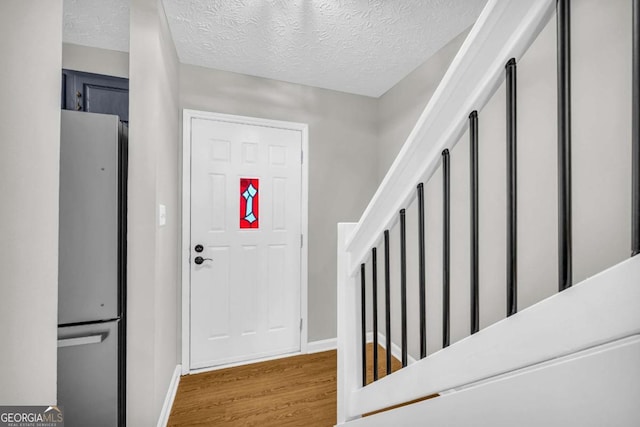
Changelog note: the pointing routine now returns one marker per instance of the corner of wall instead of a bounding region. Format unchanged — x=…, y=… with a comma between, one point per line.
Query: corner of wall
x=153, y=180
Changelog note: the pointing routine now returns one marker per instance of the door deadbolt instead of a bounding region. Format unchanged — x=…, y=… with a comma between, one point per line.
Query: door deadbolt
x=199, y=260
x=199, y=248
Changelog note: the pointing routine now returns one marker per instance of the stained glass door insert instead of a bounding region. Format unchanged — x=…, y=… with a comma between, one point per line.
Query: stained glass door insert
x=249, y=203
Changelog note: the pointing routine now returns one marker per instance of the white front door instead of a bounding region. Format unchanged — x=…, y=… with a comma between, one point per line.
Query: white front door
x=246, y=227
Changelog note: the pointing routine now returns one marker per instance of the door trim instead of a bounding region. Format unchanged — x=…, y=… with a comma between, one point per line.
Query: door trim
x=187, y=116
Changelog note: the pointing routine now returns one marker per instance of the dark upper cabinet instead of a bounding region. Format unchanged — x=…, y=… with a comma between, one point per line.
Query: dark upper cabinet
x=95, y=93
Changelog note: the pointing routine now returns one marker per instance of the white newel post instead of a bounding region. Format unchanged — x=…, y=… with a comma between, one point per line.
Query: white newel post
x=349, y=342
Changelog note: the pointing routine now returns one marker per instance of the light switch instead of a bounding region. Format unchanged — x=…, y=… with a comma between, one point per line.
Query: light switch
x=162, y=215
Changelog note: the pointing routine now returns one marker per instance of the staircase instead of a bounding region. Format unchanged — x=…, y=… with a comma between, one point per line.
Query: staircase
x=500, y=348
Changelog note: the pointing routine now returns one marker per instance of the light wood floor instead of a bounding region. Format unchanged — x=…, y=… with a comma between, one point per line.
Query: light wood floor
x=382, y=363
x=294, y=391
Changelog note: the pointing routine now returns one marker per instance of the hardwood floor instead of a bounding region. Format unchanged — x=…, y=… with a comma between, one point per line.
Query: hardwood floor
x=382, y=363
x=294, y=391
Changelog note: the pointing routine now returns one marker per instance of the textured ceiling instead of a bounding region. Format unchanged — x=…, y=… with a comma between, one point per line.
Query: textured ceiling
x=97, y=23
x=357, y=46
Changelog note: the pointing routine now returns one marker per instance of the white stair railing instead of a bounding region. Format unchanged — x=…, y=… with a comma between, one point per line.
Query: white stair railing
x=554, y=345
x=527, y=371
x=504, y=30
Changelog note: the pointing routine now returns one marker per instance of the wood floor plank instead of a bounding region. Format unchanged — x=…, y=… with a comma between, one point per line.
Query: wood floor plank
x=291, y=392
x=382, y=363
x=295, y=391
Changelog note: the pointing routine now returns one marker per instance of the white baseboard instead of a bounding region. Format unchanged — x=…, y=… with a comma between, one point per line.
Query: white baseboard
x=370, y=338
x=311, y=347
x=322, y=345
x=169, y=398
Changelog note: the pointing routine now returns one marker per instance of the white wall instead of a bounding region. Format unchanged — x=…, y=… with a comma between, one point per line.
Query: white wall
x=342, y=160
x=152, y=251
x=601, y=49
x=95, y=60
x=29, y=168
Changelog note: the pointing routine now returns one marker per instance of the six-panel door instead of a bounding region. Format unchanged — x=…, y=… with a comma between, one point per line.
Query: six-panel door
x=246, y=214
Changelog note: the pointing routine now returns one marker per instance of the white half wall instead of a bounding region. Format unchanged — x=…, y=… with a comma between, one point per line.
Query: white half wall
x=597, y=311
x=572, y=391
x=31, y=51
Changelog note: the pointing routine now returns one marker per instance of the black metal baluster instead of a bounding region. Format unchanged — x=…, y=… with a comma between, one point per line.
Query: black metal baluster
x=512, y=188
x=422, y=273
x=364, y=325
x=374, y=281
x=564, y=145
x=387, y=300
x=475, y=286
x=403, y=284
x=635, y=138
x=446, y=213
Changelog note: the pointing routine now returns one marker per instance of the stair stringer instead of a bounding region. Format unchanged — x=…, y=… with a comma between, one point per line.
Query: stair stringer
x=596, y=387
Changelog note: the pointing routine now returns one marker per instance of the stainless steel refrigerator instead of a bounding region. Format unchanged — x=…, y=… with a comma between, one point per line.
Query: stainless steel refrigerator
x=91, y=278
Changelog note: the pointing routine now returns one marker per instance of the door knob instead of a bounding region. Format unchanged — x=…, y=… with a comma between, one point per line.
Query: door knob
x=199, y=260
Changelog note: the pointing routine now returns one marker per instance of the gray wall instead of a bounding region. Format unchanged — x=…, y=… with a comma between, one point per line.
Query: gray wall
x=601, y=128
x=342, y=160
x=601, y=134
x=400, y=107
x=29, y=159
x=153, y=179
x=397, y=111
x=95, y=60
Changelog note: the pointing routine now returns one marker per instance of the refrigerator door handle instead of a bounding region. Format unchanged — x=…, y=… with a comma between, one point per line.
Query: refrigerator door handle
x=88, y=339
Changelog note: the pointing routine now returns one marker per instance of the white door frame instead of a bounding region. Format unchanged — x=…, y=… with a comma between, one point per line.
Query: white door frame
x=186, y=219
